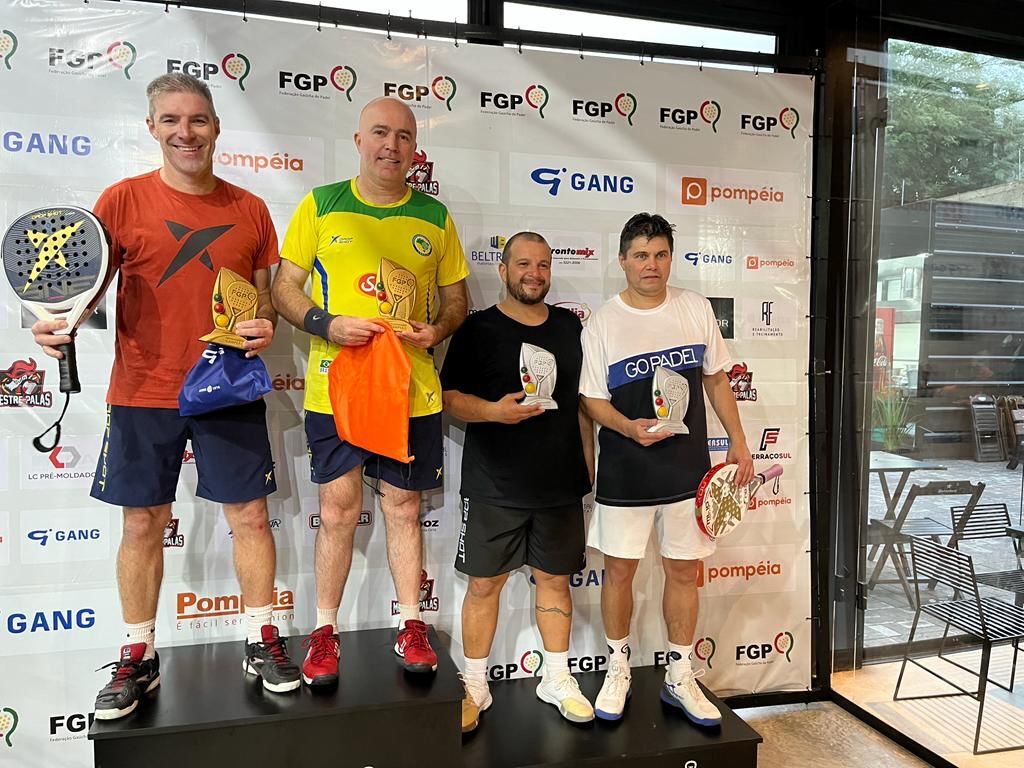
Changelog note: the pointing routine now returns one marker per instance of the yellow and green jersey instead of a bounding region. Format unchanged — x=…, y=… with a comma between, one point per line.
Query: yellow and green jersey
x=361, y=257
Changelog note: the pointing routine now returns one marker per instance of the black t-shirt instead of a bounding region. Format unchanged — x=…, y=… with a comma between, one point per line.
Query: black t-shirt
x=537, y=462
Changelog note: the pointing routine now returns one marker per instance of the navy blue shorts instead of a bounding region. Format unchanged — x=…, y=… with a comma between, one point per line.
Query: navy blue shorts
x=331, y=457
x=143, y=448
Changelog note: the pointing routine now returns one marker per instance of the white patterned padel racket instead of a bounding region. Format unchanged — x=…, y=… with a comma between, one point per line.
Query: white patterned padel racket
x=721, y=503
x=57, y=261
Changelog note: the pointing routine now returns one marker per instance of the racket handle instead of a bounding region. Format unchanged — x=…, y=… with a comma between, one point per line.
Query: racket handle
x=775, y=470
x=68, y=367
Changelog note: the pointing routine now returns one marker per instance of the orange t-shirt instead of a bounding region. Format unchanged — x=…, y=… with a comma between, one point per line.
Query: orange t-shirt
x=169, y=246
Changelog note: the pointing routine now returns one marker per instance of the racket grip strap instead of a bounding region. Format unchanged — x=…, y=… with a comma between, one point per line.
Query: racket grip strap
x=68, y=368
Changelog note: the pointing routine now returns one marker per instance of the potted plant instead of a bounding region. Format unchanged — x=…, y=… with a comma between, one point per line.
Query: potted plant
x=890, y=412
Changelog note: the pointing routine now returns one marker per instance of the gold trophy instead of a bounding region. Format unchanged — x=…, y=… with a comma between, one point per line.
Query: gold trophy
x=234, y=299
x=396, y=294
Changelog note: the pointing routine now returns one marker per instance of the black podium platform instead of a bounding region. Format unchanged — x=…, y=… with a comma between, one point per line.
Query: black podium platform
x=520, y=731
x=208, y=712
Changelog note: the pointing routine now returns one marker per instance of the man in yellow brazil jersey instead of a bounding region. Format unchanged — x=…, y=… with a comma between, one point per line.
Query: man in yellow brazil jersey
x=367, y=241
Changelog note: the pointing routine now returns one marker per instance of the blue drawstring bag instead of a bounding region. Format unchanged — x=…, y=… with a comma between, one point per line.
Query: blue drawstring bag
x=221, y=378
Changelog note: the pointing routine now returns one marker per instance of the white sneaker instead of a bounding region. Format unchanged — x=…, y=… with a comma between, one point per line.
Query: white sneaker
x=480, y=691
x=616, y=689
x=687, y=696
x=564, y=692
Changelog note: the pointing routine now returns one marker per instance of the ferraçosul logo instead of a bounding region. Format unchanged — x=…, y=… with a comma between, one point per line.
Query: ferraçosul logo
x=234, y=66
x=8, y=46
x=341, y=78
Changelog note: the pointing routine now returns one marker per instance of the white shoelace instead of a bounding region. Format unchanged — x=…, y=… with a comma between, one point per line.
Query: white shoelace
x=566, y=685
x=477, y=691
x=617, y=681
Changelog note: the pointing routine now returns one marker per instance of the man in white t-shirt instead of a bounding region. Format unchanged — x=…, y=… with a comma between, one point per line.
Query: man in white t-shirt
x=645, y=478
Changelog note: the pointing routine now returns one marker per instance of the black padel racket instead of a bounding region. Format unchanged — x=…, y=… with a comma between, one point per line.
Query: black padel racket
x=57, y=261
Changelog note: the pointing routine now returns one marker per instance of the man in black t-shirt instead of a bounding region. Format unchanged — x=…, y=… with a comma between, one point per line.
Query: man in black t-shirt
x=525, y=470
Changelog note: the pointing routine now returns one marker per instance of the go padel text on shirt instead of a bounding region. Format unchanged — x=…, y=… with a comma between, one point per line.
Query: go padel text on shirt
x=169, y=247
x=622, y=346
x=341, y=239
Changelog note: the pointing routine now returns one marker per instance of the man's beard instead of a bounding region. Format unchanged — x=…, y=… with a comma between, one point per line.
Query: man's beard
x=517, y=293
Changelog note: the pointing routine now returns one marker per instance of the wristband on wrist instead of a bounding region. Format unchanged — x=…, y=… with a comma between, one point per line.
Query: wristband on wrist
x=318, y=322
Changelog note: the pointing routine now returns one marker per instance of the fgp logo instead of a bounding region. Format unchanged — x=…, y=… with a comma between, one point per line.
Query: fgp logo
x=704, y=649
x=536, y=96
x=21, y=386
x=583, y=181
x=421, y=174
x=625, y=105
x=75, y=723
x=8, y=725
x=684, y=117
x=788, y=119
x=741, y=379
x=120, y=54
x=234, y=66
x=766, y=653
x=428, y=600
x=342, y=78
x=697, y=191
x=8, y=45
x=442, y=87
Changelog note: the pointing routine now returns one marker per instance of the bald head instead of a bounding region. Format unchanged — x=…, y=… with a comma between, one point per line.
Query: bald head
x=386, y=141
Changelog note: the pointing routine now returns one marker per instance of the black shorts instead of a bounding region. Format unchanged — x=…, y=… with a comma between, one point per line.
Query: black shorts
x=330, y=457
x=143, y=448
x=495, y=540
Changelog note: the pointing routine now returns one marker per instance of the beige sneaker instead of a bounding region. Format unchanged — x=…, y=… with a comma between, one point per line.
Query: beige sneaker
x=476, y=699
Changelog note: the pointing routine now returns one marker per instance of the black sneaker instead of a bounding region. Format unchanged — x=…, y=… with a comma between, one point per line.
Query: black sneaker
x=132, y=677
x=270, y=661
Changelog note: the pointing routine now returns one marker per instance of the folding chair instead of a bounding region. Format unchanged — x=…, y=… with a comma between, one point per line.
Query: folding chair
x=990, y=620
x=894, y=534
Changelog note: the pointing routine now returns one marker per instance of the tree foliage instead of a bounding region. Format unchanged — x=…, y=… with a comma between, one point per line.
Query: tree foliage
x=956, y=122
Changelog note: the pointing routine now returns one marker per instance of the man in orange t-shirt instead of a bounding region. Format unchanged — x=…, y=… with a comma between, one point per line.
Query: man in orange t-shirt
x=171, y=231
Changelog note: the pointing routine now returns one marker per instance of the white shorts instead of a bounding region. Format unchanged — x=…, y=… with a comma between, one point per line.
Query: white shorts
x=624, y=531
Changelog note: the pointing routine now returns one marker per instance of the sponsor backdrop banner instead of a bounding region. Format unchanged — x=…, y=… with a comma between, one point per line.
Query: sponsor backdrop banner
x=509, y=141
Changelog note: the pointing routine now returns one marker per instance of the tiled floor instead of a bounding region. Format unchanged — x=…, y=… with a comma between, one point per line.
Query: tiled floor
x=823, y=736
x=944, y=725
x=889, y=616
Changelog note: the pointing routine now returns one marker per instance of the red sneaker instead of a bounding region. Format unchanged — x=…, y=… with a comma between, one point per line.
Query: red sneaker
x=320, y=669
x=414, y=648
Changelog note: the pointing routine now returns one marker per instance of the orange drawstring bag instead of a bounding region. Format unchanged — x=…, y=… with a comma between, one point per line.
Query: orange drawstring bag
x=368, y=387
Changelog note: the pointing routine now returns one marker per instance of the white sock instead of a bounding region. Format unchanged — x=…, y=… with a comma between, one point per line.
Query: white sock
x=679, y=661
x=256, y=617
x=555, y=664
x=475, y=669
x=143, y=633
x=408, y=613
x=618, y=650
x=327, y=616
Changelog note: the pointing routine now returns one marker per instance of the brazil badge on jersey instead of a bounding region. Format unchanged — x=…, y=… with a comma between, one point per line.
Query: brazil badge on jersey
x=375, y=261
